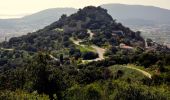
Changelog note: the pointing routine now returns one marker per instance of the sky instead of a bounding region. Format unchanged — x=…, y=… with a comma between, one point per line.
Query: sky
x=20, y=8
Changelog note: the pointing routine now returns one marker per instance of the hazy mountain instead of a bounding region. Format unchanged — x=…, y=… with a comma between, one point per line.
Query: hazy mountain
x=153, y=22
x=15, y=27
x=138, y=13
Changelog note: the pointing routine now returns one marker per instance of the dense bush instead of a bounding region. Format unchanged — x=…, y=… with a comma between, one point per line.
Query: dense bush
x=21, y=95
x=89, y=55
x=115, y=90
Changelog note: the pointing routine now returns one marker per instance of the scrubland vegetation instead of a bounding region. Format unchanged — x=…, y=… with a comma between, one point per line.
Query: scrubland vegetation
x=47, y=64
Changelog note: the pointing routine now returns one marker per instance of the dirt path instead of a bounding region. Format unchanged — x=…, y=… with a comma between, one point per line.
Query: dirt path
x=91, y=34
x=142, y=71
x=6, y=49
x=146, y=44
x=99, y=50
x=52, y=57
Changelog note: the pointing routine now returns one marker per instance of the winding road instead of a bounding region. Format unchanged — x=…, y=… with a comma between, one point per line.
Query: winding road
x=99, y=50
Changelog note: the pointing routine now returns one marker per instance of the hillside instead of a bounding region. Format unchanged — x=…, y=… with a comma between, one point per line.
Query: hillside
x=85, y=56
x=105, y=29
x=147, y=19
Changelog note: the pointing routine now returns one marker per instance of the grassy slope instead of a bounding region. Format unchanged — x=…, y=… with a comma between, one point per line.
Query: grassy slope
x=132, y=74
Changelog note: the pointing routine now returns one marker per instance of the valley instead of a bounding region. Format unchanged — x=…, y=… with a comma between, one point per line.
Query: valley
x=159, y=33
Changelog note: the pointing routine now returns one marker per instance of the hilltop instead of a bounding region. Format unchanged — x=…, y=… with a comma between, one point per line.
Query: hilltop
x=85, y=35
x=137, y=17
x=105, y=29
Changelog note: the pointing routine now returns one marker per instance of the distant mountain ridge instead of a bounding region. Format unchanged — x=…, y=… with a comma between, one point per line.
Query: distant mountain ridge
x=19, y=26
x=121, y=11
x=43, y=17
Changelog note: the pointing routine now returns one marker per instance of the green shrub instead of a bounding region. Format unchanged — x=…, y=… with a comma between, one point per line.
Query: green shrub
x=21, y=95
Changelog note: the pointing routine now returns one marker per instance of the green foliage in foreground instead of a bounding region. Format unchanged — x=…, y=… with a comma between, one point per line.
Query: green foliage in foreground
x=84, y=82
x=21, y=95
x=116, y=90
x=108, y=90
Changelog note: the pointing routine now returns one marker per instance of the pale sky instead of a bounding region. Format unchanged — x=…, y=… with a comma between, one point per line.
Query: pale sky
x=19, y=8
